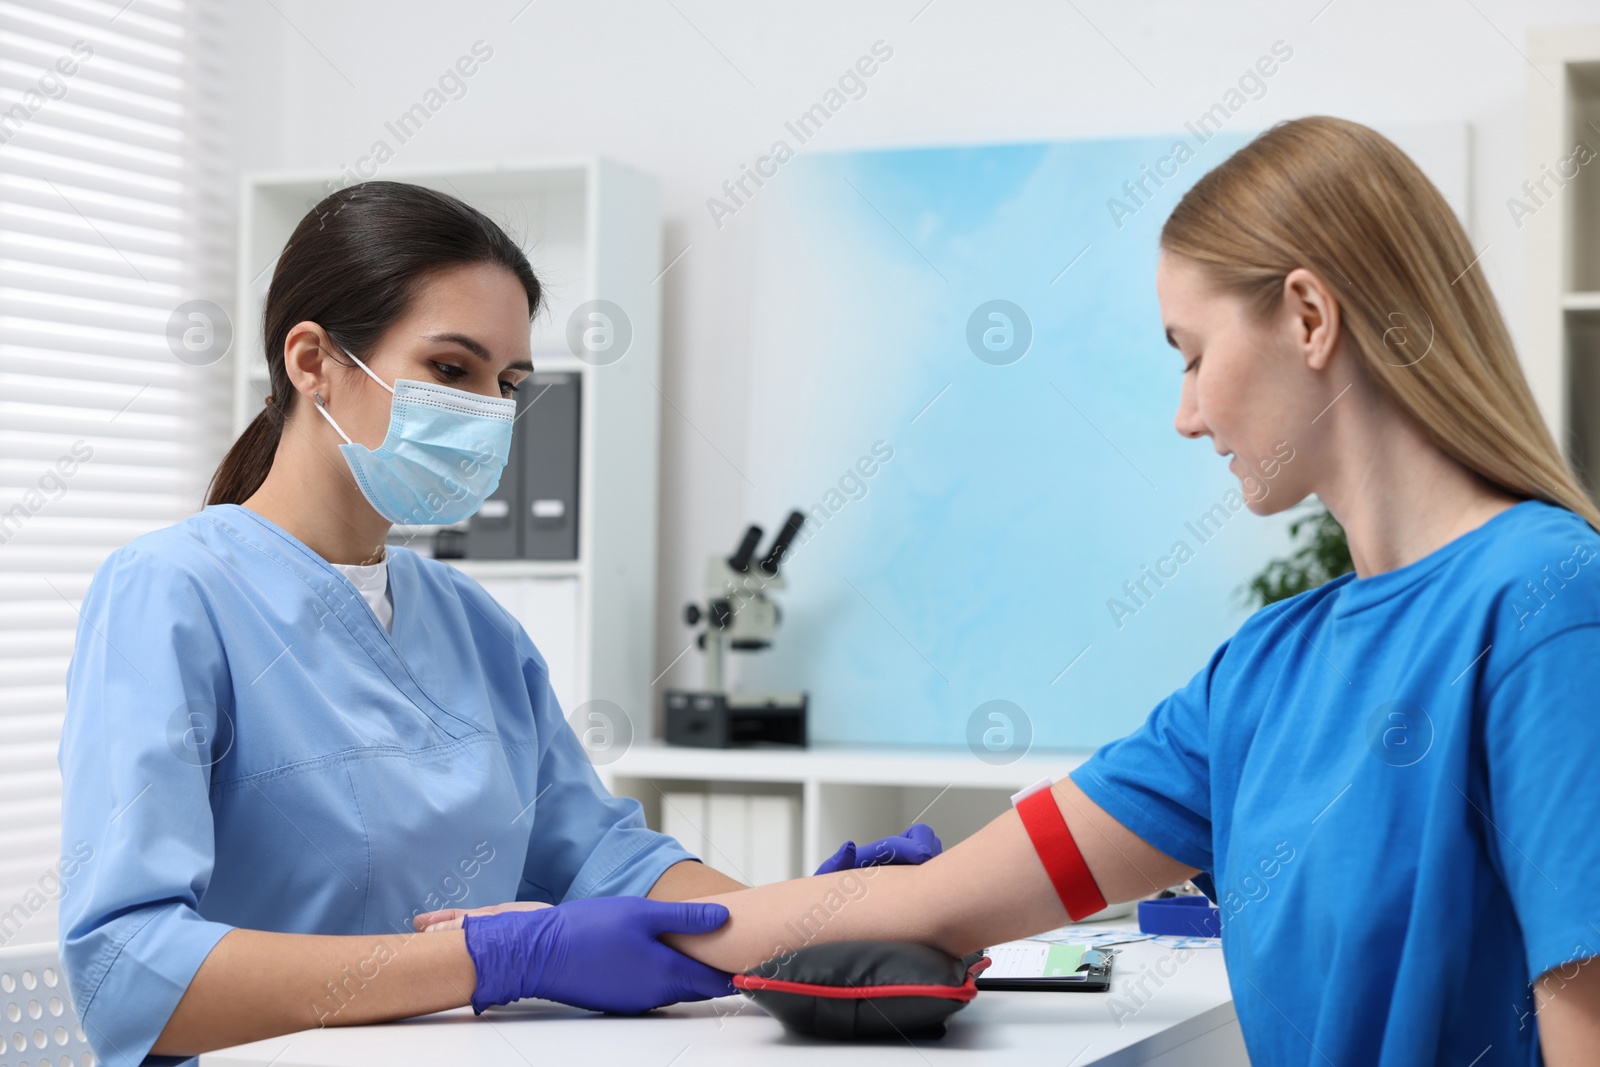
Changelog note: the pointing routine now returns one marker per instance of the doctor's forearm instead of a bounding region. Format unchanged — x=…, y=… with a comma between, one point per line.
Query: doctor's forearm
x=256, y=985
x=690, y=879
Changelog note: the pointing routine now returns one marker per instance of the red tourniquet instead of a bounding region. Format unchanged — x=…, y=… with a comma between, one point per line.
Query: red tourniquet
x=1059, y=854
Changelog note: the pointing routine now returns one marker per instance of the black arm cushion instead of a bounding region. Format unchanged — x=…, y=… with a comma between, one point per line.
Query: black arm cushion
x=863, y=990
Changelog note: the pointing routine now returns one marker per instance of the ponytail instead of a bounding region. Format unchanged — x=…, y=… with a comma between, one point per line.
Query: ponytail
x=245, y=466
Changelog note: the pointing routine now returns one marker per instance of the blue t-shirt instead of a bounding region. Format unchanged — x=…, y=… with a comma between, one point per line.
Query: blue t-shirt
x=1391, y=783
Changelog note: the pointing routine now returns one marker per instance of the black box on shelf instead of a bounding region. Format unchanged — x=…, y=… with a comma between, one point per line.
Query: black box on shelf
x=733, y=720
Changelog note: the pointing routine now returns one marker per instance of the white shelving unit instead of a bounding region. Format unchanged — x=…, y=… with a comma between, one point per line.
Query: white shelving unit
x=1563, y=263
x=845, y=793
x=592, y=230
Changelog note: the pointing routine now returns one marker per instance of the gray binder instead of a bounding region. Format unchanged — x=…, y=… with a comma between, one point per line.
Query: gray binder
x=549, y=453
x=495, y=532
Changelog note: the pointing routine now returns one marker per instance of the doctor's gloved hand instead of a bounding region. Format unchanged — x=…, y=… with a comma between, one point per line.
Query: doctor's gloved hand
x=917, y=845
x=600, y=953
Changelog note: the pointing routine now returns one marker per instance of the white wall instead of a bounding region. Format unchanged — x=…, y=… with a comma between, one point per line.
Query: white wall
x=690, y=89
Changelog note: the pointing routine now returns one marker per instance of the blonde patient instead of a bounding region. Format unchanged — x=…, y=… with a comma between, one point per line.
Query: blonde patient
x=1318, y=291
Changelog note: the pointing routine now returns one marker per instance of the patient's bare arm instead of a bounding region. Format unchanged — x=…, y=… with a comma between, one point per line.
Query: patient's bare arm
x=988, y=889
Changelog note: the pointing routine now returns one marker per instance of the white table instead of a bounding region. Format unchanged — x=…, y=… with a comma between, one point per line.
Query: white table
x=1187, y=1019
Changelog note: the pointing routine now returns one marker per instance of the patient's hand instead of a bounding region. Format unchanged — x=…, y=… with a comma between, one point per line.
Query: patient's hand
x=450, y=918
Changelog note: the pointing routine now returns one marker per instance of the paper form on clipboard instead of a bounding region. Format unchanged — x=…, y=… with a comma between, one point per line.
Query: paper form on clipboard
x=1027, y=964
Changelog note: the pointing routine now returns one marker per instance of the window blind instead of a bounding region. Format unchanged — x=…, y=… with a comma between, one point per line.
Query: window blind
x=113, y=213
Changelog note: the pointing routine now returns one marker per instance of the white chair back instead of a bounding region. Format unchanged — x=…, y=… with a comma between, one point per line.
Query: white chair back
x=38, y=1026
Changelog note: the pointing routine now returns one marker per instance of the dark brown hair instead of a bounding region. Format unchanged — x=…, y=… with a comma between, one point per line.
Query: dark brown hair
x=352, y=266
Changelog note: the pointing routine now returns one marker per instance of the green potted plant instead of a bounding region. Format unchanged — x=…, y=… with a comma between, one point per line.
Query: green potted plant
x=1320, y=554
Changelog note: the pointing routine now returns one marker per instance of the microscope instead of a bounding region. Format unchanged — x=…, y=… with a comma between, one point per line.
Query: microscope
x=737, y=616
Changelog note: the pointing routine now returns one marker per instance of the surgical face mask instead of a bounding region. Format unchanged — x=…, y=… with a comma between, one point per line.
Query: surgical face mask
x=442, y=456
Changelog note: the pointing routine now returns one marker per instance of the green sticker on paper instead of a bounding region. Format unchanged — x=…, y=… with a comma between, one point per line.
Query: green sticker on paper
x=1062, y=961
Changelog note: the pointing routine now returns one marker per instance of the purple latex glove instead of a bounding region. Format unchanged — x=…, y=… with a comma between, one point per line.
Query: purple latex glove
x=918, y=844
x=600, y=953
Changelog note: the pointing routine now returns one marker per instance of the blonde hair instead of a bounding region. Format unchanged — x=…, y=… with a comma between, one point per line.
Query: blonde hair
x=1343, y=201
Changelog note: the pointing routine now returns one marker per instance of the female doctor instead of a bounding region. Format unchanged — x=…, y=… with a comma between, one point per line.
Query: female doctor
x=1386, y=783
x=284, y=740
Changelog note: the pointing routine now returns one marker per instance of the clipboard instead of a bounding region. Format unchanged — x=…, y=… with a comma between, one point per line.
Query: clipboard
x=1047, y=966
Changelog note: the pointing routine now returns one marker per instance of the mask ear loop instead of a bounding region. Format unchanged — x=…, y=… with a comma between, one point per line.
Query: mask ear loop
x=323, y=408
x=370, y=372
x=322, y=405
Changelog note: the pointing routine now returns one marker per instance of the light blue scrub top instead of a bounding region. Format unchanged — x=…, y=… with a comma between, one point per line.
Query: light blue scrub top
x=245, y=746
x=1391, y=782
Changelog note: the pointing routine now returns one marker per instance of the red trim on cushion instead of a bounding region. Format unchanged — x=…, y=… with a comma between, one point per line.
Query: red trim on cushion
x=1069, y=874
x=963, y=992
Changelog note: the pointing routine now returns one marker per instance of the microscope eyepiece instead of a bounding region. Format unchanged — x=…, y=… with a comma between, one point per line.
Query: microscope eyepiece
x=780, y=544
x=740, y=560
